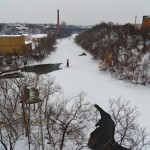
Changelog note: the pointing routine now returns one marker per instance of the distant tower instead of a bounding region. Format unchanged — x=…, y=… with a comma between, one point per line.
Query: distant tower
x=58, y=25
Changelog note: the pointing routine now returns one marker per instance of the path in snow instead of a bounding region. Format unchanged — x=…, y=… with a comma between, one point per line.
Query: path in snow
x=84, y=75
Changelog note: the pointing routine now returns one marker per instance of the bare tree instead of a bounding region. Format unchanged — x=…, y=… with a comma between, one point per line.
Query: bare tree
x=128, y=131
x=68, y=123
x=10, y=121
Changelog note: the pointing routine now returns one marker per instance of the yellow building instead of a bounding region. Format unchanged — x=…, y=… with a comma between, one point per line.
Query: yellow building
x=14, y=45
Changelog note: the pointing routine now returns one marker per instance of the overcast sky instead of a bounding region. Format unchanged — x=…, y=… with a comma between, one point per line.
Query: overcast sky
x=78, y=12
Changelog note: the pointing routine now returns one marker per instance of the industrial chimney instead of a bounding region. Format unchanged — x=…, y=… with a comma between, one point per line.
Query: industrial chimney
x=58, y=25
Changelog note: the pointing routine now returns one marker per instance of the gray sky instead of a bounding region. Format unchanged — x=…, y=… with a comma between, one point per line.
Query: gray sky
x=78, y=12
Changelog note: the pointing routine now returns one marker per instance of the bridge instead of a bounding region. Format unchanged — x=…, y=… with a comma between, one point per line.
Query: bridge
x=67, y=30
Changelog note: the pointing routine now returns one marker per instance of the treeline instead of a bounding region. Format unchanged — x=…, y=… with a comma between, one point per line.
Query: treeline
x=124, y=50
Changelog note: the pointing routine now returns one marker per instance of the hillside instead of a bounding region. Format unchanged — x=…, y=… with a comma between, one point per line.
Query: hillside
x=123, y=50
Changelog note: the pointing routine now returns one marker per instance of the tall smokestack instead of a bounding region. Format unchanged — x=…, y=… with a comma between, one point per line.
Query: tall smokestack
x=58, y=25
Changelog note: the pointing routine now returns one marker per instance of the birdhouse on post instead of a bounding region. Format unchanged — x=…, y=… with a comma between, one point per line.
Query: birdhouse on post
x=33, y=96
x=30, y=96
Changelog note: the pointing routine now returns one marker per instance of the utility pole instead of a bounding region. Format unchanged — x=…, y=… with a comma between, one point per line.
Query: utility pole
x=135, y=19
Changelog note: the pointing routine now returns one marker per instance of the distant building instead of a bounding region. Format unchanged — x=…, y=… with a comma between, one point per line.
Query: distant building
x=146, y=22
x=14, y=45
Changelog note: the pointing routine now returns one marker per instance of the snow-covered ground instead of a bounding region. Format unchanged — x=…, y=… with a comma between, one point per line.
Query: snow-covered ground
x=84, y=75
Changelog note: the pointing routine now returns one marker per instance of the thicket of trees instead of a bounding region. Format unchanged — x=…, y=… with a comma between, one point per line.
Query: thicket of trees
x=124, y=50
x=50, y=120
x=43, y=47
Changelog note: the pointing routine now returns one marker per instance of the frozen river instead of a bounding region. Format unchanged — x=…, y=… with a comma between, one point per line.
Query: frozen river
x=84, y=75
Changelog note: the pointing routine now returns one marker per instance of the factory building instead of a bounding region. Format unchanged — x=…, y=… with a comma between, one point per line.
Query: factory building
x=14, y=45
x=146, y=22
